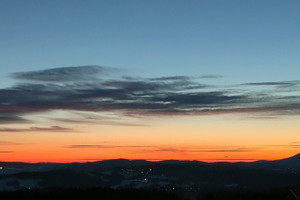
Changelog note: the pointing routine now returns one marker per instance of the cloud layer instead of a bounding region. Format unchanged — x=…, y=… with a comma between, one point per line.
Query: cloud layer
x=151, y=149
x=31, y=129
x=63, y=74
x=88, y=88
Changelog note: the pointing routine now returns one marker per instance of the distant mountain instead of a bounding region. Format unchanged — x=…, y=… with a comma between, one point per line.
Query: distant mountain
x=166, y=175
x=291, y=162
x=121, y=163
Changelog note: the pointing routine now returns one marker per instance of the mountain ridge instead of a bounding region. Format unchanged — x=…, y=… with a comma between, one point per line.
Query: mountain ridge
x=293, y=157
x=168, y=174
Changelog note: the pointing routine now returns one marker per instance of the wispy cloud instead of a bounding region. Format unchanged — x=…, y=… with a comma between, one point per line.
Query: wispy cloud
x=7, y=117
x=279, y=83
x=7, y=143
x=6, y=151
x=291, y=145
x=211, y=76
x=151, y=149
x=222, y=149
x=79, y=89
x=52, y=129
x=171, y=78
x=280, y=86
x=113, y=122
x=102, y=146
x=64, y=74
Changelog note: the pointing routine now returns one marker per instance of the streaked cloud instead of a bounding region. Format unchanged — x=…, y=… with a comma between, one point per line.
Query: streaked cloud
x=79, y=89
x=211, y=76
x=10, y=117
x=171, y=78
x=279, y=85
x=6, y=151
x=102, y=146
x=285, y=145
x=64, y=74
x=52, y=129
x=8, y=143
x=221, y=149
x=151, y=149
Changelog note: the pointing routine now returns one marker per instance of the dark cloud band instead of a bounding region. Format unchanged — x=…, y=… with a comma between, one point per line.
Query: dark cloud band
x=77, y=88
x=63, y=74
x=52, y=128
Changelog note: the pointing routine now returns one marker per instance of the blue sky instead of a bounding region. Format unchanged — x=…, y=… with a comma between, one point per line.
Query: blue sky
x=179, y=77
x=244, y=41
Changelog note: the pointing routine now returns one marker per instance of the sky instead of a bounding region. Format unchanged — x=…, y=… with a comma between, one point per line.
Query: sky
x=156, y=80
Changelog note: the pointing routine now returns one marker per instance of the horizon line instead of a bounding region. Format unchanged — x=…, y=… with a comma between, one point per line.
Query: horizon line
x=82, y=161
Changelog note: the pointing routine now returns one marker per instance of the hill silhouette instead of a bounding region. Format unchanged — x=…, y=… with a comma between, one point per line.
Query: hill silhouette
x=166, y=175
x=292, y=162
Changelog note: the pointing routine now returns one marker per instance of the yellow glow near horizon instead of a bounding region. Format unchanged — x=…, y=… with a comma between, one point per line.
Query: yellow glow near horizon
x=206, y=138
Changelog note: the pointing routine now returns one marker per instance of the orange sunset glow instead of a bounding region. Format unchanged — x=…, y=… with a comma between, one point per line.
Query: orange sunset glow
x=164, y=138
x=151, y=100
x=150, y=80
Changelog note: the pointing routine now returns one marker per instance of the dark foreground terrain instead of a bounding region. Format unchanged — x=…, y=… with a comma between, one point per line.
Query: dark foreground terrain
x=142, y=194
x=85, y=194
x=140, y=179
